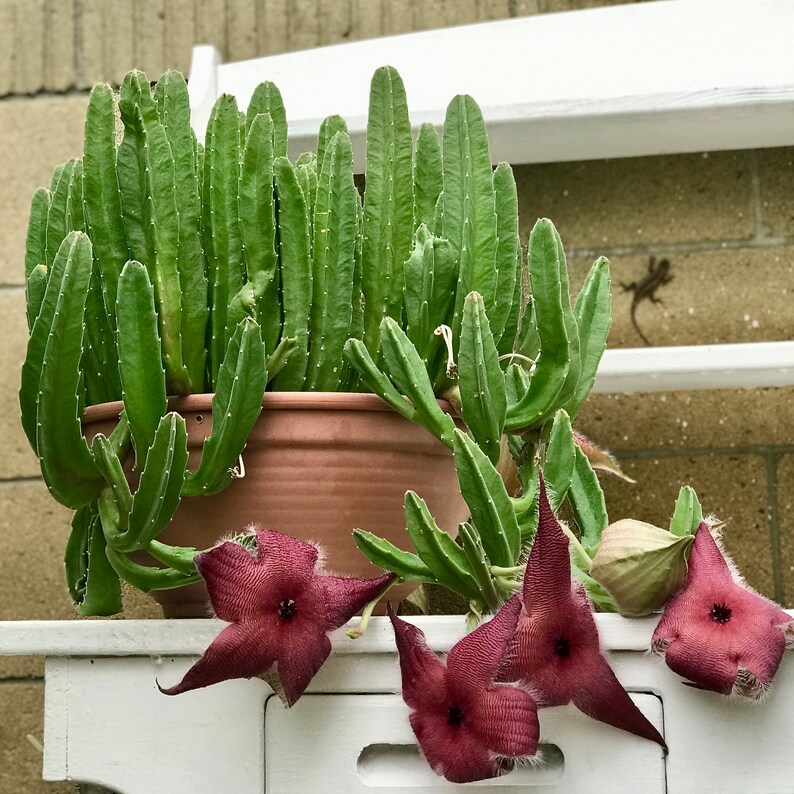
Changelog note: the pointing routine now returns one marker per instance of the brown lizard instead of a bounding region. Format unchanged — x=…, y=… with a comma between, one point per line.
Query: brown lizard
x=645, y=289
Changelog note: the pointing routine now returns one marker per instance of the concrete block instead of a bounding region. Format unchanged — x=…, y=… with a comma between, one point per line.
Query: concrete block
x=462, y=12
x=29, y=46
x=367, y=20
x=732, y=487
x=241, y=25
x=271, y=26
x=336, y=21
x=91, y=58
x=22, y=706
x=60, y=57
x=785, y=514
x=7, y=21
x=495, y=9
x=119, y=35
x=303, y=24
x=33, y=534
x=149, y=42
x=776, y=172
x=716, y=296
x=603, y=204
x=430, y=15
x=725, y=419
x=211, y=25
x=18, y=459
x=180, y=34
x=399, y=16
x=37, y=135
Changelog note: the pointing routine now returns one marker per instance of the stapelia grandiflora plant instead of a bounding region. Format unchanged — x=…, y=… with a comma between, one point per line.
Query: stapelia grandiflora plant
x=555, y=653
x=468, y=727
x=280, y=608
x=717, y=632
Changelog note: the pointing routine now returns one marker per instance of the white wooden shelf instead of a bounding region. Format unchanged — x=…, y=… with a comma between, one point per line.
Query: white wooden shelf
x=106, y=722
x=647, y=78
x=740, y=366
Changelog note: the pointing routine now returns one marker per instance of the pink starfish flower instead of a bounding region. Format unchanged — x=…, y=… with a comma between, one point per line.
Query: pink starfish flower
x=717, y=632
x=280, y=609
x=555, y=652
x=467, y=727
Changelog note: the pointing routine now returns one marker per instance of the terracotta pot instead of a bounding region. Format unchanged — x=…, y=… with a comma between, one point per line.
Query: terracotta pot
x=317, y=466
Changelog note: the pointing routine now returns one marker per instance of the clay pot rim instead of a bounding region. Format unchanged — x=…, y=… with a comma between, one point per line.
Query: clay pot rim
x=271, y=401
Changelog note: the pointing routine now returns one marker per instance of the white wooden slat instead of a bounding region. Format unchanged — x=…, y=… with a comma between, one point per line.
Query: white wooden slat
x=647, y=78
x=124, y=734
x=191, y=637
x=364, y=743
x=739, y=366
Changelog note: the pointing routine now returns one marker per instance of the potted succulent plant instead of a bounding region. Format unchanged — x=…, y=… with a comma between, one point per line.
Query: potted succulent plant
x=175, y=288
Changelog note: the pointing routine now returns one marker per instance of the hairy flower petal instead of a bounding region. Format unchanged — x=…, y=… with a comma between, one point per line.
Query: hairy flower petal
x=457, y=754
x=718, y=633
x=237, y=652
x=342, y=597
x=280, y=609
x=467, y=728
x=555, y=652
x=475, y=660
x=504, y=714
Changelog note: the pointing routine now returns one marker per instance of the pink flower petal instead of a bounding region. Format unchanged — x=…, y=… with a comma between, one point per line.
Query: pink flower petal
x=302, y=652
x=716, y=632
x=605, y=700
x=475, y=660
x=424, y=677
x=548, y=574
x=237, y=652
x=232, y=575
x=556, y=651
x=343, y=597
x=291, y=559
x=507, y=719
x=454, y=751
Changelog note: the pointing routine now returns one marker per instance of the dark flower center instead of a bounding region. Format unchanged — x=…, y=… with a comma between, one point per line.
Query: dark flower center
x=454, y=716
x=721, y=613
x=287, y=609
x=562, y=647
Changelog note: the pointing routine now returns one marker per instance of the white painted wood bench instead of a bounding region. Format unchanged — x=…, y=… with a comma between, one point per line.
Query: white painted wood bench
x=662, y=77
x=107, y=723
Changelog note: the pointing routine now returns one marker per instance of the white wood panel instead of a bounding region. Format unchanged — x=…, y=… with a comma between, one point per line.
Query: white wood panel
x=121, y=732
x=364, y=743
x=191, y=637
x=647, y=78
x=216, y=736
x=737, y=366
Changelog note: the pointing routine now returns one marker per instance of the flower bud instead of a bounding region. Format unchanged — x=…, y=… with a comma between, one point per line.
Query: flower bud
x=640, y=565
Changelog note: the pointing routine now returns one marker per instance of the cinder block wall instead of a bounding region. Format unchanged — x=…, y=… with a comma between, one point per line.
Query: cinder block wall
x=724, y=220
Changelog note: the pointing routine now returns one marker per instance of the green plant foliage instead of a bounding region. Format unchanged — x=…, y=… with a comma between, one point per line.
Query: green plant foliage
x=160, y=265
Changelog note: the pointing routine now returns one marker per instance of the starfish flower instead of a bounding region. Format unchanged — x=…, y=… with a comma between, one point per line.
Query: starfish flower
x=467, y=727
x=717, y=632
x=280, y=609
x=555, y=652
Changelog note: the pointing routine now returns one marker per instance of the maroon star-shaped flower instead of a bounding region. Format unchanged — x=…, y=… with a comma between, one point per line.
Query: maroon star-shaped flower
x=280, y=609
x=467, y=727
x=555, y=652
x=717, y=632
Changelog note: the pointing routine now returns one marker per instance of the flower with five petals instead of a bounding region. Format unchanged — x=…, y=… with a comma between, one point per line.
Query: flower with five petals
x=280, y=608
x=467, y=727
x=555, y=652
x=717, y=632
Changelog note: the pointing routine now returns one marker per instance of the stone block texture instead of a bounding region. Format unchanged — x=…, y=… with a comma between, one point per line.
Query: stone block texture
x=723, y=220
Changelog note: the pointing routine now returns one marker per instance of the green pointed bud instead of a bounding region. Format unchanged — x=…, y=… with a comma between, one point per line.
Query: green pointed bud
x=640, y=565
